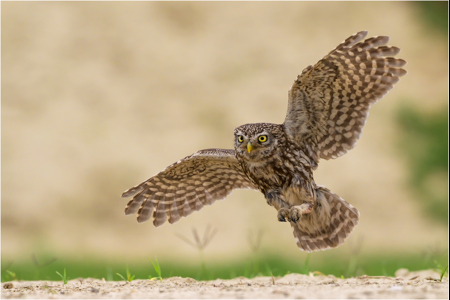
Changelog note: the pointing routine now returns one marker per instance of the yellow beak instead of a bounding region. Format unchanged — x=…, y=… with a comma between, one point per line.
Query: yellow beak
x=249, y=147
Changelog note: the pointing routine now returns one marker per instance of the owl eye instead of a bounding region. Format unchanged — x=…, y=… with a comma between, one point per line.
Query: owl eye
x=262, y=138
x=240, y=139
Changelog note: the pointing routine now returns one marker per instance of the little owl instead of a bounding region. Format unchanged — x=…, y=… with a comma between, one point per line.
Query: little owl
x=328, y=106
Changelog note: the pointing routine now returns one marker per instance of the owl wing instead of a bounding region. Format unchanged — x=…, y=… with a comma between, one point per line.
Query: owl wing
x=187, y=186
x=329, y=102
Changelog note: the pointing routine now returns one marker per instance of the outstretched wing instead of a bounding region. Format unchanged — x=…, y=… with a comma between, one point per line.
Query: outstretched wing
x=187, y=186
x=329, y=102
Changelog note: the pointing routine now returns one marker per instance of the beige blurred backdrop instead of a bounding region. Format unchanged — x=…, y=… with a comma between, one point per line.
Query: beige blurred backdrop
x=99, y=96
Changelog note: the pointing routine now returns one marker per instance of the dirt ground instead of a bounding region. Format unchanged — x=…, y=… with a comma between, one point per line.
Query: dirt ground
x=411, y=285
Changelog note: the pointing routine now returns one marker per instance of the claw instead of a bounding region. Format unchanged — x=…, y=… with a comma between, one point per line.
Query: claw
x=294, y=215
x=283, y=215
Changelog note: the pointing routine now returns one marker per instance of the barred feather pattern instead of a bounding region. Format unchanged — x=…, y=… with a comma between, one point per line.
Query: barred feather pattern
x=329, y=102
x=328, y=226
x=186, y=186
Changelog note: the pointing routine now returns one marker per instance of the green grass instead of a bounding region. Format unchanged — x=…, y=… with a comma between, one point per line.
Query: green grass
x=157, y=268
x=63, y=277
x=129, y=277
x=269, y=265
x=443, y=272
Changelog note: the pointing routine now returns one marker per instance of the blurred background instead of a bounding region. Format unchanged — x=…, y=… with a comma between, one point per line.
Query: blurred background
x=99, y=96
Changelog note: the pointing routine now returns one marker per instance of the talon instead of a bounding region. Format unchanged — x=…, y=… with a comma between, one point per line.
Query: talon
x=283, y=215
x=294, y=214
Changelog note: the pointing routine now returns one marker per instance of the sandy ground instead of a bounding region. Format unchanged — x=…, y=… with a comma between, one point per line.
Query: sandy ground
x=412, y=285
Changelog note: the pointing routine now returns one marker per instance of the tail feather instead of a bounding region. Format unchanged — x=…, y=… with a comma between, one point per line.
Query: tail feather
x=328, y=225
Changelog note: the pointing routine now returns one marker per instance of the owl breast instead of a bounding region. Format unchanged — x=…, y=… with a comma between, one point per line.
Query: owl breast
x=287, y=172
x=267, y=175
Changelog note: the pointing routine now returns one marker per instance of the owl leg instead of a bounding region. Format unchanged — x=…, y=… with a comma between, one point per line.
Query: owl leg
x=296, y=211
x=275, y=199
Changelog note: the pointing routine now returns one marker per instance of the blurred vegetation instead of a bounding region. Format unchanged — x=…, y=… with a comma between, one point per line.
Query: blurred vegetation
x=434, y=13
x=266, y=265
x=425, y=148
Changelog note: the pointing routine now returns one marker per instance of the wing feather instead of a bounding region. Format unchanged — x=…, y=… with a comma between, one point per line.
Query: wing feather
x=329, y=102
x=186, y=186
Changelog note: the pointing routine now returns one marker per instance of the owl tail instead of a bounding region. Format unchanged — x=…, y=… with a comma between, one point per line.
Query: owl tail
x=328, y=225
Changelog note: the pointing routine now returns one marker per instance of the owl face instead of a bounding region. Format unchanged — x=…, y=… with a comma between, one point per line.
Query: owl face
x=255, y=142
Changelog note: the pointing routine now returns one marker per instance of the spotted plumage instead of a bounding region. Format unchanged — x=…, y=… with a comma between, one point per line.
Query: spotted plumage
x=327, y=108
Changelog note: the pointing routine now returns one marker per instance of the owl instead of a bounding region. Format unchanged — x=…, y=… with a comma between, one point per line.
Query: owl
x=328, y=106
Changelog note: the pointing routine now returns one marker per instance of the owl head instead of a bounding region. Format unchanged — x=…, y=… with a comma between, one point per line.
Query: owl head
x=256, y=142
